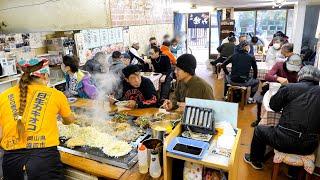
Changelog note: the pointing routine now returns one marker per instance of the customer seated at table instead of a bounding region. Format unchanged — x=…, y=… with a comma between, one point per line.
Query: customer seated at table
x=189, y=85
x=138, y=90
x=165, y=49
x=243, y=38
x=98, y=64
x=152, y=42
x=78, y=82
x=281, y=72
x=136, y=58
x=175, y=47
x=281, y=35
x=119, y=62
x=161, y=64
x=274, y=53
x=256, y=41
x=242, y=63
x=287, y=50
x=299, y=125
x=226, y=40
x=225, y=50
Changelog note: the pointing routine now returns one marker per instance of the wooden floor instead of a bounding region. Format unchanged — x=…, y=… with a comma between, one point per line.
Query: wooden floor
x=245, y=118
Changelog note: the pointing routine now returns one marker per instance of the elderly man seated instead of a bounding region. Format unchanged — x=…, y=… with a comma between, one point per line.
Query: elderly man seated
x=299, y=125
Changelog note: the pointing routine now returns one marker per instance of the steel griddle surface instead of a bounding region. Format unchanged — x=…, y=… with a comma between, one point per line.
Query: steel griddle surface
x=96, y=154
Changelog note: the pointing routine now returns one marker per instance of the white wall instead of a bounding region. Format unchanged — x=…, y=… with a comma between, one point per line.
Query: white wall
x=55, y=15
x=299, y=15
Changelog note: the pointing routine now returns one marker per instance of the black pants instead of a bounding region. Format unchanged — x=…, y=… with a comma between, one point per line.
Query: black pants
x=219, y=60
x=253, y=83
x=166, y=87
x=40, y=164
x=281, y=140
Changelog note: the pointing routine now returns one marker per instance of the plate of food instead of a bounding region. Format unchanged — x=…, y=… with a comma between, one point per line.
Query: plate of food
x=122, y=103
x=143, y=121
x=168, y=116
x=120, y=118
x=72, y=99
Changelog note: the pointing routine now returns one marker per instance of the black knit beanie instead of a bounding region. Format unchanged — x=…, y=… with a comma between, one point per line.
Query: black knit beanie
x=188, y=63
x=131, y=69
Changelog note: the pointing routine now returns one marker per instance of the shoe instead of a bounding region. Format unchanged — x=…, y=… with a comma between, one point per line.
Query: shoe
x=251, y=101
x=255, y=165
x=255, y=123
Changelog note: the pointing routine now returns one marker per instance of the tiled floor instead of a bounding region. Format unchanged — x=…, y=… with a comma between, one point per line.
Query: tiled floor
x=245, y=118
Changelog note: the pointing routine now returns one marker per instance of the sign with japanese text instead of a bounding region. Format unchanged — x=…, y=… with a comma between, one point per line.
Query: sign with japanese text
x=198, y=20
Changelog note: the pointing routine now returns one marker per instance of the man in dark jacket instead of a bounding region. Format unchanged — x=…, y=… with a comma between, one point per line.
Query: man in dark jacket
x=139, y=91
x=242, y=63
x=225, y=50
x=98, y=64
x=161, y=64
x=299, y=125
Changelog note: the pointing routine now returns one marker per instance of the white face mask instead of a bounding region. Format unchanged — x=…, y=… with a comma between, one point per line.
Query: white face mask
x=276, y=46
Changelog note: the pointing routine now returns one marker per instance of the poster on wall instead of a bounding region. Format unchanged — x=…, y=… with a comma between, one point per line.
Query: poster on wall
x=198, y=20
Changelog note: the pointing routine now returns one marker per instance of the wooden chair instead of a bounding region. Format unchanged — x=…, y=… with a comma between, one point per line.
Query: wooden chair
x=244, y=92
x=307, y=162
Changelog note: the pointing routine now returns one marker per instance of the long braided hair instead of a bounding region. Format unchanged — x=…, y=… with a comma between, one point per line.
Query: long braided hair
x=24, y=82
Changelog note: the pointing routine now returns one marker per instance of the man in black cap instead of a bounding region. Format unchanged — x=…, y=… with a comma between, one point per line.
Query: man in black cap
x=138, y=90
x=189, y=85
x=242, y=63
x=299, y=125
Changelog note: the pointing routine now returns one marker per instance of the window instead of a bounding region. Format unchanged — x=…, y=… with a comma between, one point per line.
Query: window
x=245, y=22
x=269, y=22
x=264, y=23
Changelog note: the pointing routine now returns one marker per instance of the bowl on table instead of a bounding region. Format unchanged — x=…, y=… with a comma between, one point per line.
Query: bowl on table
x=72, y=99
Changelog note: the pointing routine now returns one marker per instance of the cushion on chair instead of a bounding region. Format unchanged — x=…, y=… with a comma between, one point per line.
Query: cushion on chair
x=306, y=161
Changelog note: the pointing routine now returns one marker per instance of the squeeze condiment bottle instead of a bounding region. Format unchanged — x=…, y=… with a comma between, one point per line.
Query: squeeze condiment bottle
x=155, y=168
x=143, y=159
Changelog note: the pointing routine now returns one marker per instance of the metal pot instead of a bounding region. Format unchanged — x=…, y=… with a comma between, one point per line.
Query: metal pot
x=160, y=129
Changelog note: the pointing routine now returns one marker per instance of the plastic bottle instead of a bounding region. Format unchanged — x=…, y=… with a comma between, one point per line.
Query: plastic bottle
x=155, y=168
x=143, y=159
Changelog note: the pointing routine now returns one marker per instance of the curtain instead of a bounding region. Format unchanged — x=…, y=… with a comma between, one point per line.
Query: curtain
x=219, y=18
x=178, y=23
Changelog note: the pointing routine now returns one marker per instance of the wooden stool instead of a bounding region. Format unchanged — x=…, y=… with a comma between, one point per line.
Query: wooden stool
x=243, y=90
x=306, y=162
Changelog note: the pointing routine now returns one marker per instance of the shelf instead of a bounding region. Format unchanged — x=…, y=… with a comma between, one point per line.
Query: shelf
x=9, y=79
x=57, y=83
x=222, y=164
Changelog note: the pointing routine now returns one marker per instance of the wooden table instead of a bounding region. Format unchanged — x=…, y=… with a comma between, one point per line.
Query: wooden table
x=100, y=169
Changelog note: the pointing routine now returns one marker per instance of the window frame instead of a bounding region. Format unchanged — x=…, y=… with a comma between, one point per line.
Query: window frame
x=287, y=8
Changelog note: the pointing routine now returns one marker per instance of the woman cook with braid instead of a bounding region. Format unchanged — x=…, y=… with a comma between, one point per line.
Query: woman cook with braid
x=28, y=123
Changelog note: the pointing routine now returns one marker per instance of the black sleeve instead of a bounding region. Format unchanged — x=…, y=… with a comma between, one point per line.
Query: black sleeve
x=167, y=65
x=220, y=48
x=254, y=67
x=149, y=93
x=225, y=63
x=141, y=61
x=279, y=100
x=124, y=90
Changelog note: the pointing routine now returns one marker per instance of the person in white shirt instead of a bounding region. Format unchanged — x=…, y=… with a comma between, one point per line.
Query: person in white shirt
x=274, y=52
x=136, y=59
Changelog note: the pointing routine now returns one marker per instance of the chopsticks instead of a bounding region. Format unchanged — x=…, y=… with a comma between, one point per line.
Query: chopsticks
x=116, y=100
